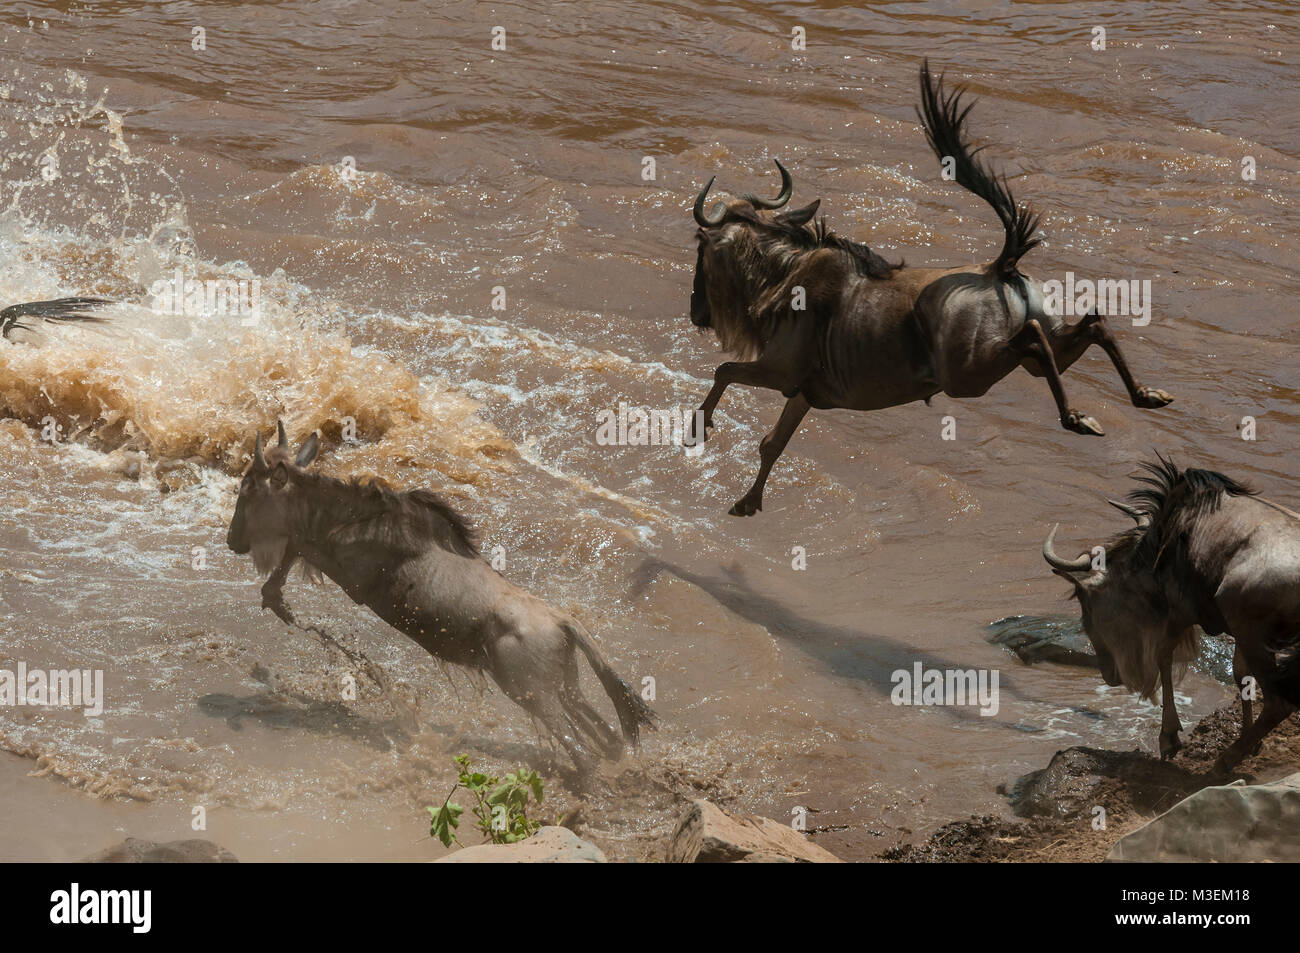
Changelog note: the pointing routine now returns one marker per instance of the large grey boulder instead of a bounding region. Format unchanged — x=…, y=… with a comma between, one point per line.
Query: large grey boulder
x=706, y=834
x=1236, y=822
x=550, y=845
x=133, y=850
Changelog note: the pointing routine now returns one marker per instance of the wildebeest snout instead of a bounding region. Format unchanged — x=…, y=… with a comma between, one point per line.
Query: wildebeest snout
x=236, y=543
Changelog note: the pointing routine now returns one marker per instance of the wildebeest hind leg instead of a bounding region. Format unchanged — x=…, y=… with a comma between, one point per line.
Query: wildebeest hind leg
x=1032, y=342
x=771, y=447
x=549, y=712
x=514, y=669
x=1094, y=326
x=586, y=717
x=753, y=373
x=1272, y=713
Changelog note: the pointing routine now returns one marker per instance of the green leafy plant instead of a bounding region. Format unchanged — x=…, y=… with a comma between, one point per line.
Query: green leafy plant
x=500, y=805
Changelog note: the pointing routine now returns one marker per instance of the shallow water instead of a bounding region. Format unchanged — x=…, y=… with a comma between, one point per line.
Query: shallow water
x=523, y=170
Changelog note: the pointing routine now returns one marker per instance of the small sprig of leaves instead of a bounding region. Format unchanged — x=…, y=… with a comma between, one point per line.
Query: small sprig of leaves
x=500, y=805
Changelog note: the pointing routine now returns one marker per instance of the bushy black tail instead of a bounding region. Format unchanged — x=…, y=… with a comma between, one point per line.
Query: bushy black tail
x=60, y=309
x=943, y=117
x=633, y=713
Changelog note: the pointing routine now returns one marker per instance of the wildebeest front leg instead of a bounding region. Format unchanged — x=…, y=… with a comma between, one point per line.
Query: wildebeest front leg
x=1032, y=342
x=753, y=373
x=1094, y=325
x=771, y=447
x=273, y=589
x=1169, y=723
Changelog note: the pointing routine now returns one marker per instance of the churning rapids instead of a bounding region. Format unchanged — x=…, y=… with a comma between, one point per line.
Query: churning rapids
x=379, y=171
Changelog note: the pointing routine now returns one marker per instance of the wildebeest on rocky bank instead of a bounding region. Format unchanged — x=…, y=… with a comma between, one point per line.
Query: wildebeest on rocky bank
x=1206, y=551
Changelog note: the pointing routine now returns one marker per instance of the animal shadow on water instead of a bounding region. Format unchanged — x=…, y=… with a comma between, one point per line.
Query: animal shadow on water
x=278, y=708
x=846, y=652
x=311, y=714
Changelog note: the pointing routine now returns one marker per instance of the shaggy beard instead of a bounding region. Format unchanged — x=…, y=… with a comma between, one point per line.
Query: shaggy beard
x=268, y=552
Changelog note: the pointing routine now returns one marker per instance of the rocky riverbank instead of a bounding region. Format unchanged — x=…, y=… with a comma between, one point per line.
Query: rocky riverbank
x=1087, y=799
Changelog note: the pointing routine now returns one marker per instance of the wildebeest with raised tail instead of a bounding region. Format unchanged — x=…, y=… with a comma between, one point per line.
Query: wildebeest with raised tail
x=414, y=561
x=1206, y=551
x=871, y=334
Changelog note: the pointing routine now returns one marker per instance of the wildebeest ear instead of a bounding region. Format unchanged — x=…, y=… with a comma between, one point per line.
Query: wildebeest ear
x=800, y=216
x=307, y=452
x=1141, y=517
x=1083, y=582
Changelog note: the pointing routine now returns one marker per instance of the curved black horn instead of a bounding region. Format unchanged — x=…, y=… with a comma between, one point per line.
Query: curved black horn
x=1056, y=562
x=787, y=190
x=259, y=459
x=284, y=437
x=700, y=217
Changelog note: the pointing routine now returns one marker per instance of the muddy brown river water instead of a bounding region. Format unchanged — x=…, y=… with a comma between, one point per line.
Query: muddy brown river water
x=386, y=177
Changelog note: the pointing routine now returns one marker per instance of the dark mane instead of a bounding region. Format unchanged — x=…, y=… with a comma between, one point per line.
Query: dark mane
x=406, y=519
x=814, y=236
x=1173, y=498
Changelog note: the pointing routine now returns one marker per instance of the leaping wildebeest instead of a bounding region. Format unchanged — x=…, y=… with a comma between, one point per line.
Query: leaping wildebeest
x=414, y=561
x=1206, y=551
x=830, y=323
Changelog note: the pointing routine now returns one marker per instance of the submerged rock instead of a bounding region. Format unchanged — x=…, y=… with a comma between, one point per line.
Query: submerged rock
x=706, y=834
x=1034, y=640
x=550, y=845
x=1079, y=779
x=1235, y=823
x=133, y=850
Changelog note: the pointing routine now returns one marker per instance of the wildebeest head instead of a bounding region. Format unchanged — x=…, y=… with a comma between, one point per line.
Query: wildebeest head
x=717, y=286
x=1139, y=591
x=263, y=520
x=1121, y=606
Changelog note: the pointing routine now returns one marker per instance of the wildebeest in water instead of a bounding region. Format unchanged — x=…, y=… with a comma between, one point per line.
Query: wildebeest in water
x=1205, y=551
x=414, y=561
x=830, y=323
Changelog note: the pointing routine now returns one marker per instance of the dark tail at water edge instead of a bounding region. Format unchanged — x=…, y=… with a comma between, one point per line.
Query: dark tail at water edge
x=633, y=713
x=60, y=309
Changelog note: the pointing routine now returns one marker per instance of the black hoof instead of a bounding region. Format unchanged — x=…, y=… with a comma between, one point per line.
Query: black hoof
x=1169, y=747
x=745, y=507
